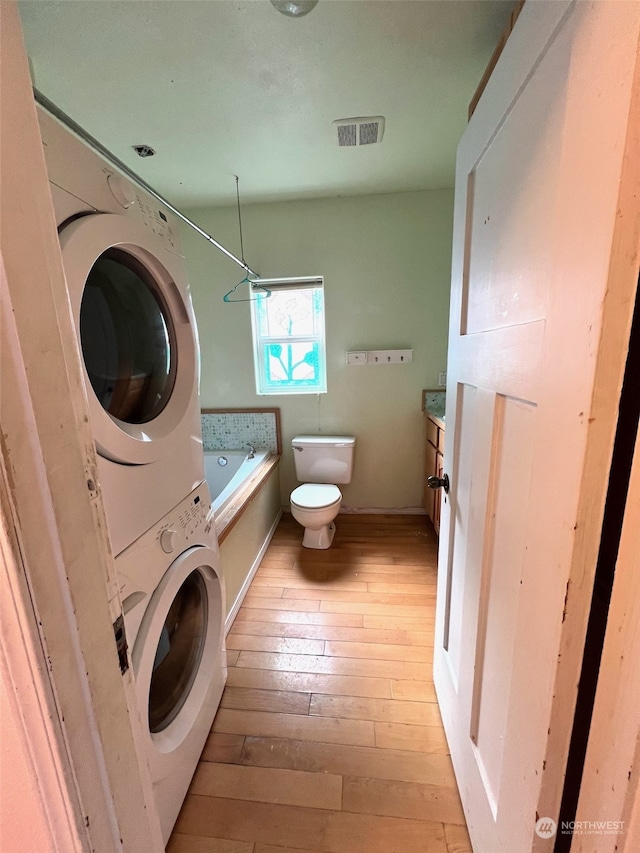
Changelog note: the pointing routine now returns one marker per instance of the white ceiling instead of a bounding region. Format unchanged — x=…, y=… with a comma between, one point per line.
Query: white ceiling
x=224, y=87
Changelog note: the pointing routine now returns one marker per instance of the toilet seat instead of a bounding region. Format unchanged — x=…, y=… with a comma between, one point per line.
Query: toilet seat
x=316, y=496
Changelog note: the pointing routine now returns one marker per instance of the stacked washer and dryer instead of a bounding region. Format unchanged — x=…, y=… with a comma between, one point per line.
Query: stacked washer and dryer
x=130, y=300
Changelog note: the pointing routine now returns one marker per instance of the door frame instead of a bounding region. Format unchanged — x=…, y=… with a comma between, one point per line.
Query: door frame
x=618, y=312
x=611, y=778
x=75, y=712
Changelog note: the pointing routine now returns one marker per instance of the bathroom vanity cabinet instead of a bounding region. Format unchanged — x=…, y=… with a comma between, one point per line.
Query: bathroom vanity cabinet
x=433, y=465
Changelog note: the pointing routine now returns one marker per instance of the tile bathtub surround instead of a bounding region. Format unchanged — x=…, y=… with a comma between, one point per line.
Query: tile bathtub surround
x=234, y=429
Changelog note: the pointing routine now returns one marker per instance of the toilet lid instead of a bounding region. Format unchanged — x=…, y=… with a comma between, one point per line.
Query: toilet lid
x=315, y=495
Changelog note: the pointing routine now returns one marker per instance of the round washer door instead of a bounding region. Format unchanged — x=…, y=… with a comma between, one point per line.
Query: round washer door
x=137, y=335
x=179, y=646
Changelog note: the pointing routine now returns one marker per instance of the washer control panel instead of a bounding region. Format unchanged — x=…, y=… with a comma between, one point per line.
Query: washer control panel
x=177, y=529
x=141, y=566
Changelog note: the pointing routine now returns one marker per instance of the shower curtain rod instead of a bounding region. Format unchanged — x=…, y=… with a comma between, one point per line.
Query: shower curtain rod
x=104, y=152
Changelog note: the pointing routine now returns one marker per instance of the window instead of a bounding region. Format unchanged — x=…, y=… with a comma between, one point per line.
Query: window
x=288, y=337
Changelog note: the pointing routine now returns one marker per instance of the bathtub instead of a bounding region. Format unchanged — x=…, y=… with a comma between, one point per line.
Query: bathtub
x=246, y=507
x=226, y=471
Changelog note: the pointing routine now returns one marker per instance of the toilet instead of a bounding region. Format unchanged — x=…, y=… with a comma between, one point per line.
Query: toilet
x=321, y=462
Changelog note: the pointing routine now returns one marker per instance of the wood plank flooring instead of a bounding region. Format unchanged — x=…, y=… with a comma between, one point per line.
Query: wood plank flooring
x=328, y=737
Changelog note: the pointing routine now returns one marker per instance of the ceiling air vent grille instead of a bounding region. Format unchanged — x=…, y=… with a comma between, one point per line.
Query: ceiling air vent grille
x=366, y=130
x=347, y=135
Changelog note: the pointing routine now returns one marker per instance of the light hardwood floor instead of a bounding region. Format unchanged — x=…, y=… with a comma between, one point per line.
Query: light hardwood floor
x=328, y=737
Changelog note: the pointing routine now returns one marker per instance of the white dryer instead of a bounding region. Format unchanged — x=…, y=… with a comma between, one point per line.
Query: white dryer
x=173, y=600
x=132, y=309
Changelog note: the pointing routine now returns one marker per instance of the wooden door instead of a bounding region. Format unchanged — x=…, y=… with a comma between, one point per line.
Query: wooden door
x=538, y=175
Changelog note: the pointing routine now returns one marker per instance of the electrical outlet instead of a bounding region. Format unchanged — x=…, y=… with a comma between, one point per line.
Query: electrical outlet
x=442, y=379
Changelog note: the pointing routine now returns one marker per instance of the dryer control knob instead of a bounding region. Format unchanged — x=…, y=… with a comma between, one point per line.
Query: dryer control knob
x=121, y=190
x=168, y=540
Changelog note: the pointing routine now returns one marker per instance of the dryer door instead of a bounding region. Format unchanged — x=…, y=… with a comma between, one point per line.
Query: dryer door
x=178, y=653
x=137, y=335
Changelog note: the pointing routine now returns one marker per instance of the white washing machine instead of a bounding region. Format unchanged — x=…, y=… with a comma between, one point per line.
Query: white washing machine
x=173, y=598
x=131, y=304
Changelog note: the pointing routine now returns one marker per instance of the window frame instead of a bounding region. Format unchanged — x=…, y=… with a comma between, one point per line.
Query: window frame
x=260, y=341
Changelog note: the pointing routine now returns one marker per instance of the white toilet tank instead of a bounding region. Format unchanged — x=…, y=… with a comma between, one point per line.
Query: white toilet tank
x=323, y=458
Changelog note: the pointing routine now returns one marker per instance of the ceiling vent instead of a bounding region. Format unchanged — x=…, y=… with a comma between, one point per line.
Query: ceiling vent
x=365, y=130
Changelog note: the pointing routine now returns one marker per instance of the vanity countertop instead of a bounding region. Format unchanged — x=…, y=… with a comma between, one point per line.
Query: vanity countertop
x=433, y=403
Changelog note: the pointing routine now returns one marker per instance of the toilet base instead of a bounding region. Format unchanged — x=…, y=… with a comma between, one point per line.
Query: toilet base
x=319, y=539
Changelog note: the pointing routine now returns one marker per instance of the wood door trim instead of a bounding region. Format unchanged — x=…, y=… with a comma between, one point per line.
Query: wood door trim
x=612, y=353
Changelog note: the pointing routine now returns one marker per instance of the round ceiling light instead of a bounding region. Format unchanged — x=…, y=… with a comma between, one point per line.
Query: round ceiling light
x=144, y=150
x=294, y=8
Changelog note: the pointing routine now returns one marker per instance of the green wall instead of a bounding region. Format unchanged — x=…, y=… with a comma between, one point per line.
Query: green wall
x=386, y=265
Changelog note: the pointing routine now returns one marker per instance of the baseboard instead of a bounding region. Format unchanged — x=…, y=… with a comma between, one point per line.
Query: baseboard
x=375, y=510
x=254, y=568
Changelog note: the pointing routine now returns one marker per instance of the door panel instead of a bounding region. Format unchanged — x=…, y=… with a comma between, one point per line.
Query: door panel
x=511, y=191
x=537, y=182
x=500, y=584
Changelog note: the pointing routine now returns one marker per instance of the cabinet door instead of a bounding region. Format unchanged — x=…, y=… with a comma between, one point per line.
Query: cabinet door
x=437, y=493
x=429, y=469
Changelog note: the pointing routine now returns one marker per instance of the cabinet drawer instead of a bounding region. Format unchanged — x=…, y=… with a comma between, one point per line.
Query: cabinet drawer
x=432, y=432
